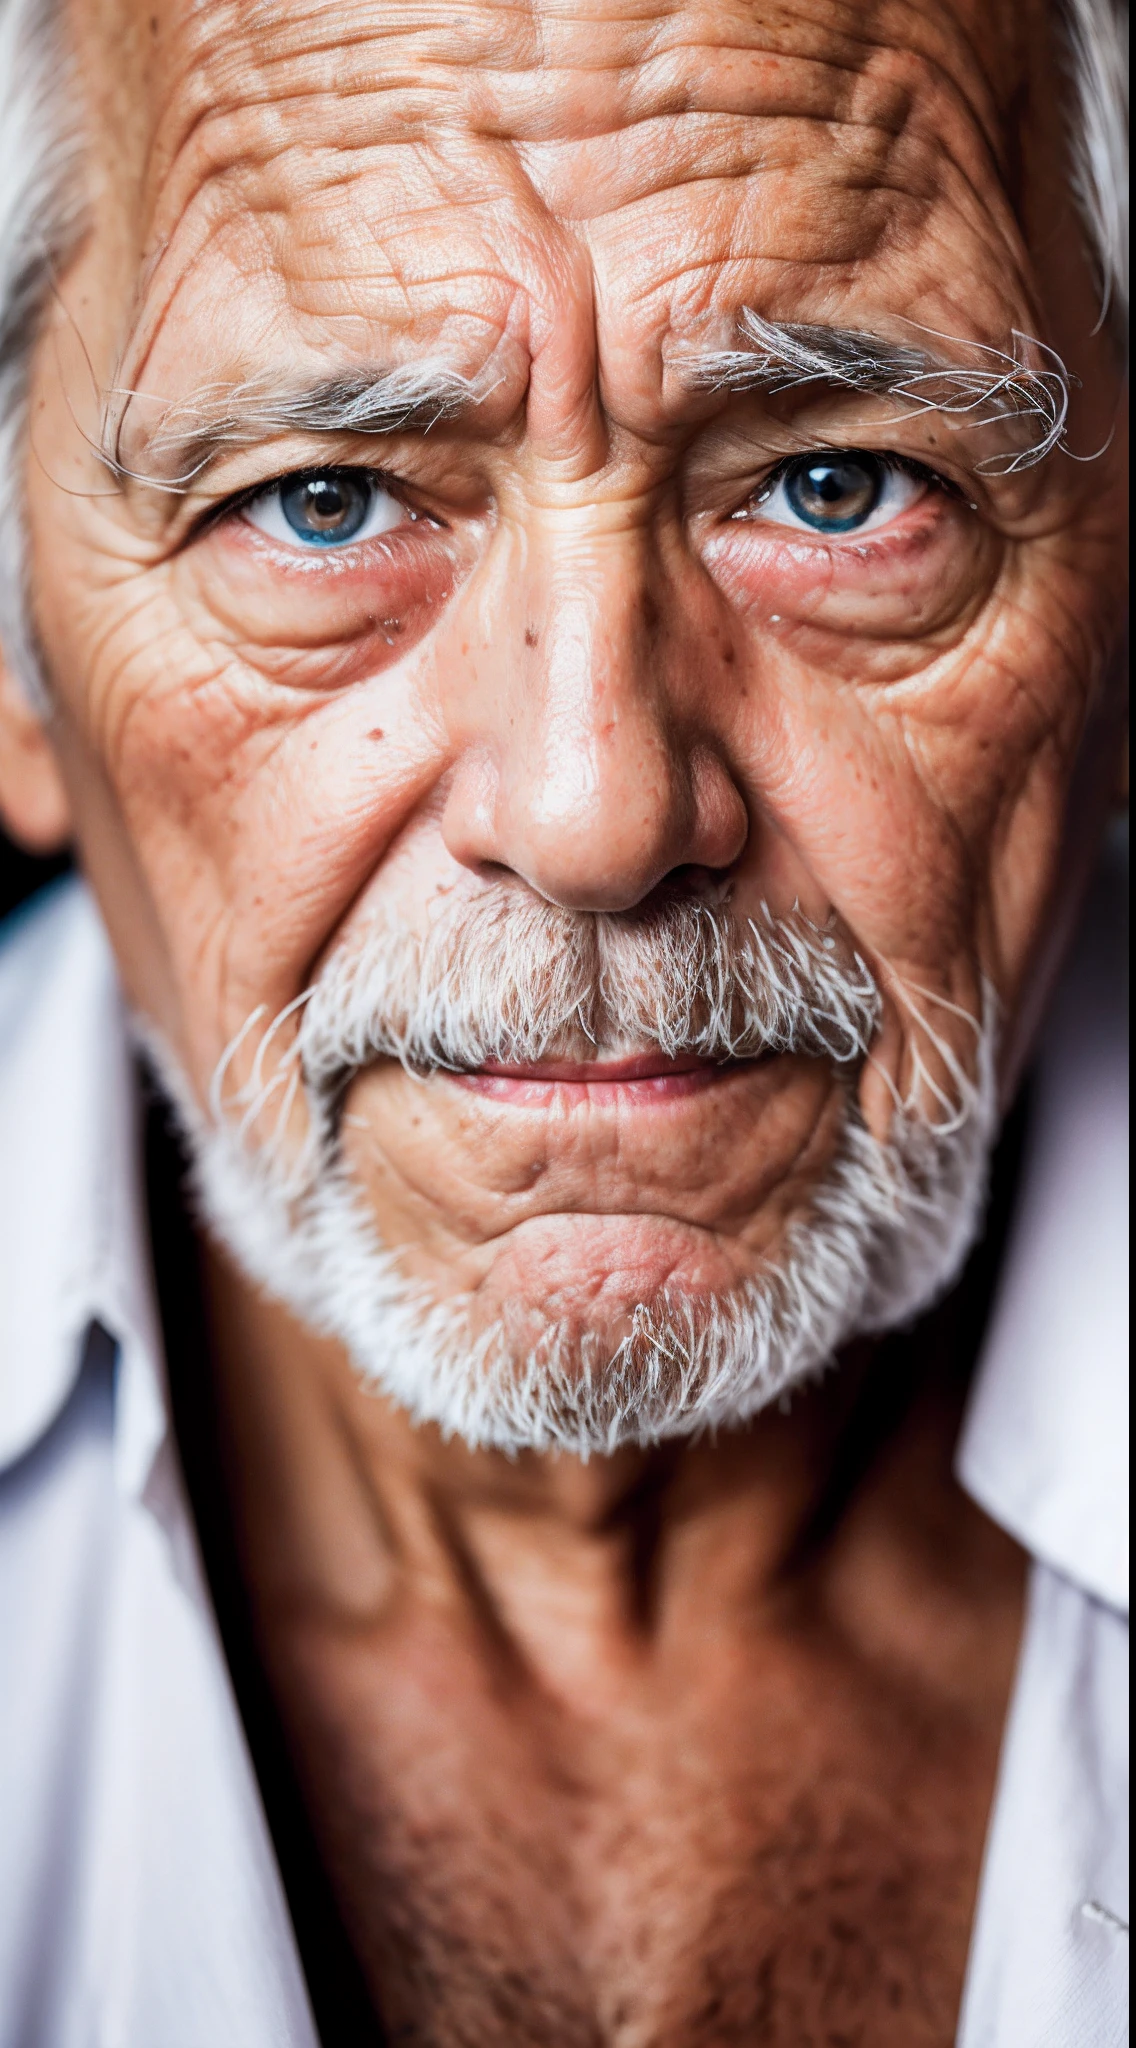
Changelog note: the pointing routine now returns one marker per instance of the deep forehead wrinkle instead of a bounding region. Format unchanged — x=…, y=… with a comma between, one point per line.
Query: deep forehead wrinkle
x=347, y=168
x=540, y=73
x=633, y=59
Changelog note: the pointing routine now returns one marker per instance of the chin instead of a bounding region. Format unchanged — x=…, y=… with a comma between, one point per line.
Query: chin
x=617, y=1364
x=593, y=1273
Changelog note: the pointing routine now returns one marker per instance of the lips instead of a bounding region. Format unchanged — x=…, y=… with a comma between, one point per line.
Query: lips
x=648, y=1077
x=649, y=1066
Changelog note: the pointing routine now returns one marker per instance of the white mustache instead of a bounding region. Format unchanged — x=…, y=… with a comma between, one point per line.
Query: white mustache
x=502, y=976
x=503, y=979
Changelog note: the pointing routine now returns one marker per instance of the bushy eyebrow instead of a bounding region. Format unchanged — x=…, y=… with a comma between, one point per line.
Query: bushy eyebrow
x=1028, y=386
x=176, y=449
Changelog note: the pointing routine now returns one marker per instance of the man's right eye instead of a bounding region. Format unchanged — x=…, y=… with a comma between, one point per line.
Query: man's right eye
x=326, y=508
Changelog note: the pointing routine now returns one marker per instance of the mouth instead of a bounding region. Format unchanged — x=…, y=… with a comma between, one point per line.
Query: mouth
x=646, y=1080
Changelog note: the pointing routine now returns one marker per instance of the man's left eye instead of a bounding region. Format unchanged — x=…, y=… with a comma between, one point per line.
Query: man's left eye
x=326, y=508
x=844, y=492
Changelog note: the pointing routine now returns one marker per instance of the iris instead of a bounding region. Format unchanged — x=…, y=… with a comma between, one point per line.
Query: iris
x=327, y=505
x=834, y=493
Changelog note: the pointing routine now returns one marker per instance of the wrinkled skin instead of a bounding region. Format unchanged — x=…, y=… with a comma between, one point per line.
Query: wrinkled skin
x=579, y=672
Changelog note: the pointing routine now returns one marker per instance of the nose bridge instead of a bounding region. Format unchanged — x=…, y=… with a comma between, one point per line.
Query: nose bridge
x=596, y=713
x=597, y=791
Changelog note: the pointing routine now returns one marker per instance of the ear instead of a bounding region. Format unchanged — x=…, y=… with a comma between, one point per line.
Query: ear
x=34, y=806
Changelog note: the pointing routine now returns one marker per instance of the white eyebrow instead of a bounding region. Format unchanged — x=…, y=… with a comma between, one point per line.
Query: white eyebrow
x=187, y=437
x=1029, y=386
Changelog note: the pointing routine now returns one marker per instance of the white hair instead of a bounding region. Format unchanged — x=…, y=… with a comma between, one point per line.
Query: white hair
x=41, y=213
x=885, y=1235
x=502, y=978
x=1024, y=391
x=40, y=219
x=1097, y=35
x=520, y=980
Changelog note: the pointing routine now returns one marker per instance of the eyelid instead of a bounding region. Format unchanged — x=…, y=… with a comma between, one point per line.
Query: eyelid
x=892, y=467
x=905, y=465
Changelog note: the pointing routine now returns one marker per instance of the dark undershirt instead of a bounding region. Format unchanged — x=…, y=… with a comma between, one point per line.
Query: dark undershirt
x=341, y=2003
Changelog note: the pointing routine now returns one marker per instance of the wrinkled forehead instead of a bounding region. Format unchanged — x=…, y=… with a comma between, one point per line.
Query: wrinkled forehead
x=568, y=178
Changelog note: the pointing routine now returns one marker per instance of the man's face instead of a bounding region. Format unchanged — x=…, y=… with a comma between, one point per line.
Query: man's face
x=597, y=624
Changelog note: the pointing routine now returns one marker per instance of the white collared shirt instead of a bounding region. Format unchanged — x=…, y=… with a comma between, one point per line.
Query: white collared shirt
x=140, y=1902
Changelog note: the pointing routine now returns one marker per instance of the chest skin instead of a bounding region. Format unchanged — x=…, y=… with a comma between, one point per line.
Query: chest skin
x=770, y=1834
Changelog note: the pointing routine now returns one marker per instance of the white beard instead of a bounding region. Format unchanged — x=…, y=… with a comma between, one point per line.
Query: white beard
x=885, y=1233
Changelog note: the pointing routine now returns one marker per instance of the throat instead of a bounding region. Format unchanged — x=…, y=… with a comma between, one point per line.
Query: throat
x=602, y=1752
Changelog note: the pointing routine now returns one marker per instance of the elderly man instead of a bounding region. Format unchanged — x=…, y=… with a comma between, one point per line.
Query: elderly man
x=562, y=573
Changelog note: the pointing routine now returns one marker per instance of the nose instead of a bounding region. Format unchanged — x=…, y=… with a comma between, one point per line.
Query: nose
x=594, y=768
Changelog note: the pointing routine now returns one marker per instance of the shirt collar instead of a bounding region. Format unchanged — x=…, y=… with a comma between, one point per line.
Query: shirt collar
x=1045, y=1445
x=1044, y=1448
x=72, y=1206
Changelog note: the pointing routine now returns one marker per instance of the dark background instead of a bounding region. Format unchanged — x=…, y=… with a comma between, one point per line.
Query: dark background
x=20, y=873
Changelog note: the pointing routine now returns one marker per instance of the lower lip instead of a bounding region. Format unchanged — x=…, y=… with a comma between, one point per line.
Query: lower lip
x=634, y=1084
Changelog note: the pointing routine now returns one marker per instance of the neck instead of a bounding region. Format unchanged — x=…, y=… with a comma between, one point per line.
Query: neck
x=338, y=1504
x=336, y=1501
x=572, y=1567
x=500, y=1691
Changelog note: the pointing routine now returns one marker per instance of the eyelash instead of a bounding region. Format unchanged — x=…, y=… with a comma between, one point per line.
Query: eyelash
x=904, y=464
x=381, y=478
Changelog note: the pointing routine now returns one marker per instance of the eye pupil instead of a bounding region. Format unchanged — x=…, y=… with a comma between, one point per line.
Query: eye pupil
x=835, y=492
x=327, y=505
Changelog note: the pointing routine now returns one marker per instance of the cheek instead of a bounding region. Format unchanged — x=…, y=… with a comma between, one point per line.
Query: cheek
x=906, y=799
x=255, y=811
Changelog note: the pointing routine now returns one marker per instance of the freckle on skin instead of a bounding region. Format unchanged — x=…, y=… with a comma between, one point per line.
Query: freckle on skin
x=376, y=733
x=530, y=636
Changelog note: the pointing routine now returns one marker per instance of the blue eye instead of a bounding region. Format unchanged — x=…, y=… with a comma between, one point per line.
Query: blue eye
x=848, y=491
x=330, y=507
x=834, y=493
x=326, y=508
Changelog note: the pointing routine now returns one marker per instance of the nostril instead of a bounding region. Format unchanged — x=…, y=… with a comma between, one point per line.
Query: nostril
x=693, y=878
x=494, y=871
